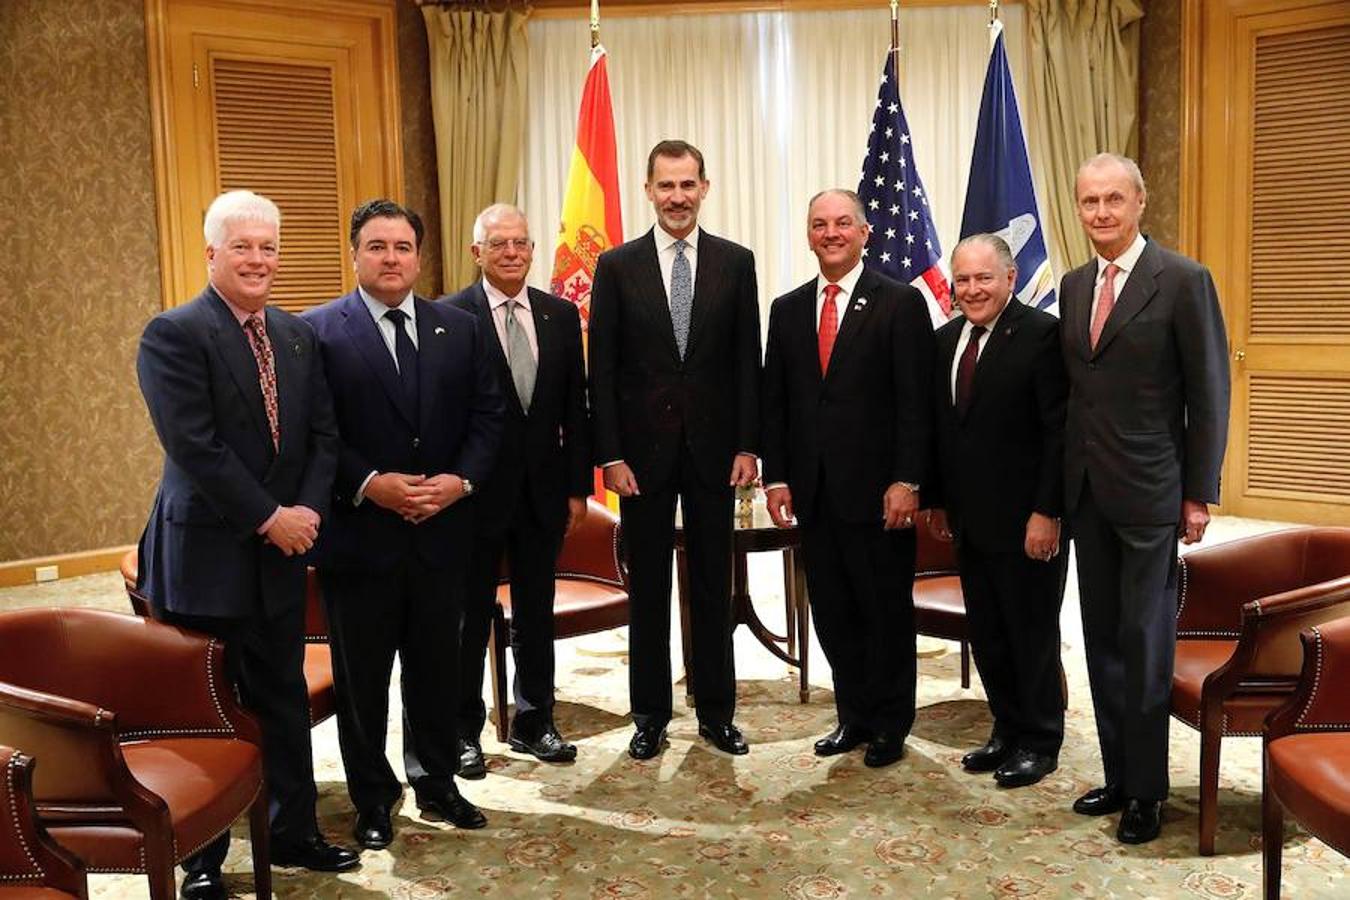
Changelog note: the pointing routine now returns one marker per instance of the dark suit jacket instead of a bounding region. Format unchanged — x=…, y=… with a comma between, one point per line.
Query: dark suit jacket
x=1004, y=459
x=545, y=456
x=456, y=431
x=869, y=418
x=1148, y=409
x=200, y=553
x=644, y=399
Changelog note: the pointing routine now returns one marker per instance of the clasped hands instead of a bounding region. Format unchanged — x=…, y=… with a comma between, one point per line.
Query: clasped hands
x=293, y=530
x=414, y=497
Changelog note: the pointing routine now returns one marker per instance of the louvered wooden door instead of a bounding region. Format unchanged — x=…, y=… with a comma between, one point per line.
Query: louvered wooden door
x=1274, y=208
x=297, y=102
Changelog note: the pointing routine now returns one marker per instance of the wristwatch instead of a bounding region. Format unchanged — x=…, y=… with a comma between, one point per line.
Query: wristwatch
x=468, y=486
x=913, y=488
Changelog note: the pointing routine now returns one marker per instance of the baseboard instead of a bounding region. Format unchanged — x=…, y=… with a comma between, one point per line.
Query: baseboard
x=67, y=565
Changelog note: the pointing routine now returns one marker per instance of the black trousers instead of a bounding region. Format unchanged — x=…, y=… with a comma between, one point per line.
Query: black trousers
x=1012, y=612
x=414, y=611
x=649, y=545
x=1127, y=583
x=265, y=658
x=861, y=584
x=531, y=551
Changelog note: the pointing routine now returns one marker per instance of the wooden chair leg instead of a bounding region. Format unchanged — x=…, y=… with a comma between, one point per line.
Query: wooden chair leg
x=965, y=663
x=1272, y=836
x=258, y=830
x=498, y=638
x=159, y=863
x=1211, y=735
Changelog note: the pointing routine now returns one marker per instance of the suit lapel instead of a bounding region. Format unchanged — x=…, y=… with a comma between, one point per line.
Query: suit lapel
x=709, y=274
x=365, y=334
x=1082, y=306
x=1140, y=288
x=653, y=290
x=543, y=336
x=232, y=344
x=946, y=358
x=996, y=342
x=430, y=335
x=856, y=317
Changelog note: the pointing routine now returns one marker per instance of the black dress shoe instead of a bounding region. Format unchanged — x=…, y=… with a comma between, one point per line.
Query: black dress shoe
x=203, y=886
x=989, y=757
x=471, y=762
x=549, y=746
x=884, y=749
x=316, y=854
x=374, y=830
x=1025, y=767
x=727, y=738
x=1141, y=822
x=842, y=739
x=647, y=742
x=1099, y=802
x=453, y=808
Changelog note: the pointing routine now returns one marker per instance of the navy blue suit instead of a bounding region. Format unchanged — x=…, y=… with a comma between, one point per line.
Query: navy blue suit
x=392, y=586
x=203, y=564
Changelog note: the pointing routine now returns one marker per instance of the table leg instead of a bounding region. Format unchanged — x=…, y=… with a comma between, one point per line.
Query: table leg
x=795, y=585
x=789, y=603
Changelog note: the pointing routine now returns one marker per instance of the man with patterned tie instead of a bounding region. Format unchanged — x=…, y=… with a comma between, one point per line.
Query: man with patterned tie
x=1147, y=358
x=999, y=393
x=538, y=487
x=847, y=433
x=237, y=395
x=419, y=419
x=674, y=357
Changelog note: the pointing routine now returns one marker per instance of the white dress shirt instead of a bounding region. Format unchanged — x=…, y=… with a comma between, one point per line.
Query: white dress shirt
x=841, y=299
x=1125, y=262
x=497, y=302
x=665, y=255
x=386, y=327
x=964, y=340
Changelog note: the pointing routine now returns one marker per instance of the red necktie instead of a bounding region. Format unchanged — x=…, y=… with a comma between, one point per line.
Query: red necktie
x=829, y=326
x=965, y=369
x=267, y=373
x=1106, y=300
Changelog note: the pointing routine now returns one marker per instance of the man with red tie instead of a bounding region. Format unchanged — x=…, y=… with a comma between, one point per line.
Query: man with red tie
x=847, y=430
x=1146, y=354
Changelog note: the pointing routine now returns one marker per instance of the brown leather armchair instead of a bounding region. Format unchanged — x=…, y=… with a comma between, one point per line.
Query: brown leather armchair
x=1307, y=752
x=1240, y=608
x=145, y=754
x=591, y=594
x=939, y=605
x=32, y=865
x=318, y=654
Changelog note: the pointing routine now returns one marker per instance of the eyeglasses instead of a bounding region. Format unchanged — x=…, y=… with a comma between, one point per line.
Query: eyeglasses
x=497, y=245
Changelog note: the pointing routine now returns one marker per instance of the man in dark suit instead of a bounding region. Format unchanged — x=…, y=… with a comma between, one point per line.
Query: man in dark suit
x=847, y=431
x=1144, y=345
x=419, y=418
x=999, y=392
x=674, y=356
x=538, y=487
x=237, y=395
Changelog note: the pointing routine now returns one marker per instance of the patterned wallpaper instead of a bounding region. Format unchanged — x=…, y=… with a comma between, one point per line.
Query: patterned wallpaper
x=80, y=275
x=1160, y=117
x=80, y=270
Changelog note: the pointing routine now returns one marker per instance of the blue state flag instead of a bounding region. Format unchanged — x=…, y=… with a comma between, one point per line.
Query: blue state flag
x=1000, y=195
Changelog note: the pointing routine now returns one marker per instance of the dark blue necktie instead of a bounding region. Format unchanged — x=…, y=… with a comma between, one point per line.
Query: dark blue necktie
x=406, y=354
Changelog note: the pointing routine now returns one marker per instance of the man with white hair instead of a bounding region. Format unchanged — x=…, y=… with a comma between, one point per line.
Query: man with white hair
x=237, y=395
x=538, y=487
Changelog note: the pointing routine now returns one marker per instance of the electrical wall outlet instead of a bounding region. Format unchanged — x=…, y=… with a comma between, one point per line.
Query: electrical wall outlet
x=47, y=573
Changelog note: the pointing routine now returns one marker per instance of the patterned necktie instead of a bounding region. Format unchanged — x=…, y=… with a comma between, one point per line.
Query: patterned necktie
x=406, y=354
x=965, y=369
x=518, y=356
x=681, y=296
x=1106, y=301
x=829, y=326
x=267, y=373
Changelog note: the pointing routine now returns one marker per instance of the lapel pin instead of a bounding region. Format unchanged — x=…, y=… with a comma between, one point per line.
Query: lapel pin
x=440, y=330
x=297, y=350
x=545, y=317
x=862, y=301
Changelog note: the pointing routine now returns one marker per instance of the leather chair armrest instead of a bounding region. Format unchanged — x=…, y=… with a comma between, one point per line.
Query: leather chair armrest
x=1274, y=624
x=76, y=741
x=1321, y=702
x=27, y=853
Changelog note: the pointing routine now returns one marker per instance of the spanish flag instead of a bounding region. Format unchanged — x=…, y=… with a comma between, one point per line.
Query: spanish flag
x=591, y=219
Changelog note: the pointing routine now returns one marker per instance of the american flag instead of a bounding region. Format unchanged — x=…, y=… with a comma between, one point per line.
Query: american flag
x=904, y=243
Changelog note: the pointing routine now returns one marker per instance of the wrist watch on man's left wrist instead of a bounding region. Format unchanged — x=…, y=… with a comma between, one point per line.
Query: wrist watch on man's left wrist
x=468, y=485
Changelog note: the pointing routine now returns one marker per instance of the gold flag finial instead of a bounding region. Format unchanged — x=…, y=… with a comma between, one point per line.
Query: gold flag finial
x=895, y=26
x=993, y=11
x=595, y=24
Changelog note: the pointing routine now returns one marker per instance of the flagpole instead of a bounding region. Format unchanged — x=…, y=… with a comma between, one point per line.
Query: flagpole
x=993, y=11
x=895, y=29
x=595, y=24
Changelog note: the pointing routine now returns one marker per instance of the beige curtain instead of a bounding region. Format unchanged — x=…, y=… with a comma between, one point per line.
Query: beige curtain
x=478, y=68
x=1083, y=61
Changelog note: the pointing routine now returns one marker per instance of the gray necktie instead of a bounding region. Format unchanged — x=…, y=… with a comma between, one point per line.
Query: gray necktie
x=518, y=356
x=681, y=296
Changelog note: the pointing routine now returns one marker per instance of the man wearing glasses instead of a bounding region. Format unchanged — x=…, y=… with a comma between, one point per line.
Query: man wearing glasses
x=538, y=486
